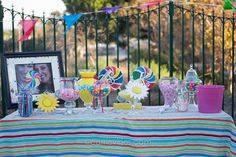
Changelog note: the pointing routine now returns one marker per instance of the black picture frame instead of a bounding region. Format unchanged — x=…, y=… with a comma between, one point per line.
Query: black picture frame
x=12, y=64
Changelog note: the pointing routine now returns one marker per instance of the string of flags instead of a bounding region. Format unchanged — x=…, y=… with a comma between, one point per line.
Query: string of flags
x=70, y=20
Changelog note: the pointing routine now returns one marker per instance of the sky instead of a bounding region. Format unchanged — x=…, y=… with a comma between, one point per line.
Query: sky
x=39, y=6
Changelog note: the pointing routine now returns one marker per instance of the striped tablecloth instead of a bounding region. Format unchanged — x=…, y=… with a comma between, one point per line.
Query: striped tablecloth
x=115, y=133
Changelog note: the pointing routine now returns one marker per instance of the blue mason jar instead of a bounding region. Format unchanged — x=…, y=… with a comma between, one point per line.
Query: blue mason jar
x=25, y=103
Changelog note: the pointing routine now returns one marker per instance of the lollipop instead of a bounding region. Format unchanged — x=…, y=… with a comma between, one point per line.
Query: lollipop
x=32, y=79
x=113, y=75
x=145, y=74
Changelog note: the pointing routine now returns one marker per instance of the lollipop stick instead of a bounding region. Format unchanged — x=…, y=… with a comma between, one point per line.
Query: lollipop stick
x=100, y=102
x=94, y=103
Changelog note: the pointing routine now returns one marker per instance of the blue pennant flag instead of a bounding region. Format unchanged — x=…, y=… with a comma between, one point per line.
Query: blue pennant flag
x=71, y=19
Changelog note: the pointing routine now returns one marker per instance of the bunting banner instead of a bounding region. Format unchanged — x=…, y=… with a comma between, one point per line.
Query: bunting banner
x=28, y=27
x=110, y=10
x=71, y=20
x=150, y=4
x=228, y=5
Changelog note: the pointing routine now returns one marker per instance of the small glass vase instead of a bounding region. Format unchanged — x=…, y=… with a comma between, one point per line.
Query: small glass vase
x=169, y=89
x=182, y=102
x=133, y=110
x=101, y=89
x=68, y=93
x=25, y=103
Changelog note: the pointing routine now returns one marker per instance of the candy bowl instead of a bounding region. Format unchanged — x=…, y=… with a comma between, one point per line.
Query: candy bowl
x=68, y=93
x=169, y=89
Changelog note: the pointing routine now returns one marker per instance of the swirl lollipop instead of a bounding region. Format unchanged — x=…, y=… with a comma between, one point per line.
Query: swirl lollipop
x=113, y=75
x=32, y=79
x=101, y=89
x=145, y=74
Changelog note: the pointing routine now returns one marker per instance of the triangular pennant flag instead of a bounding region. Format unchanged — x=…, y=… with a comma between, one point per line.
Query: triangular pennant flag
x=110, y=10
x=228, y=5
x=71, y=19
x=28, y=26
x=150, y=4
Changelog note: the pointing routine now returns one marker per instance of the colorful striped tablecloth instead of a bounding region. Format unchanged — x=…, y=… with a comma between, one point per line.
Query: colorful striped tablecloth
x=148, y=134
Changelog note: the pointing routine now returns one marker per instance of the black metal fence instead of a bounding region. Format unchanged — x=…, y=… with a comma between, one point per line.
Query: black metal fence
x=167, y=39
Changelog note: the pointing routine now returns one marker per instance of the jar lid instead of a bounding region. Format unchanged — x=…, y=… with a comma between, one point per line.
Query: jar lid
x=191, y=74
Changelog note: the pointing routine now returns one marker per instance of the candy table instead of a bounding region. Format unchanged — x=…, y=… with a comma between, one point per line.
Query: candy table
x=148, y=134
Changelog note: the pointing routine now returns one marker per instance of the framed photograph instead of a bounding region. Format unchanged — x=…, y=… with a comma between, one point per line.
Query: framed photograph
x=39, y=71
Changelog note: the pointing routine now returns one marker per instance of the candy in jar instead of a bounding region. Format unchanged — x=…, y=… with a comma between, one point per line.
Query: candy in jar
x=25, y=103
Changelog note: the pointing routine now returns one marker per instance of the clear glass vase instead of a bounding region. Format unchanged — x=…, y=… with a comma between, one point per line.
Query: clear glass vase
x=101, y=89
x=169, y=89
x=68, y=93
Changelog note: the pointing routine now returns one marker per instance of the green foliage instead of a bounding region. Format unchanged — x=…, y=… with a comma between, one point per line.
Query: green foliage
x=144, y=56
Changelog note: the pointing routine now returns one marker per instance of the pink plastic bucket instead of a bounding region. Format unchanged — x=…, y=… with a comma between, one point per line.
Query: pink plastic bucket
x=210, y=98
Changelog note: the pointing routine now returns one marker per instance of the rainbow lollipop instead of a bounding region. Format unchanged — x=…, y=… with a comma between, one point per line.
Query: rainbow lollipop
x=32, y=79
x=145, y=74
x=113, y=75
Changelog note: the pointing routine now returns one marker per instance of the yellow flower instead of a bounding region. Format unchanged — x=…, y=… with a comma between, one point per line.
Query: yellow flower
x=47, y=102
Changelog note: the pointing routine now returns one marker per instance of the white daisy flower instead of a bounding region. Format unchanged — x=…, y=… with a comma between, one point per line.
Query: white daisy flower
x=137, y=90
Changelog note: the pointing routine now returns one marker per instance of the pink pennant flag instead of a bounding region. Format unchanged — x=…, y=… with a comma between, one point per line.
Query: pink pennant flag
x=28, y=26
x=150, y=4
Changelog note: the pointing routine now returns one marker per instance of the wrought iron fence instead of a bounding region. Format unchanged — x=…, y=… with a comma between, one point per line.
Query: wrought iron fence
x=167, y=38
